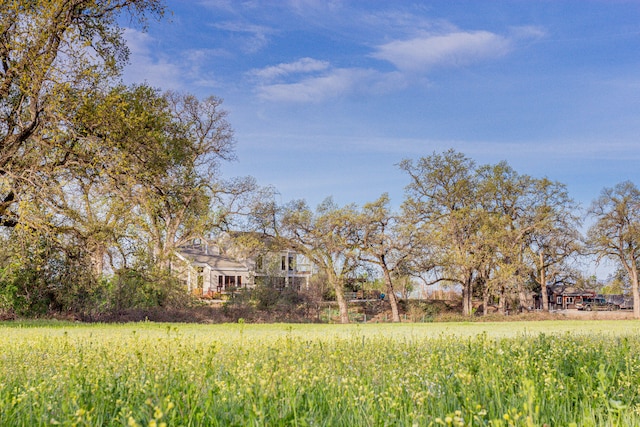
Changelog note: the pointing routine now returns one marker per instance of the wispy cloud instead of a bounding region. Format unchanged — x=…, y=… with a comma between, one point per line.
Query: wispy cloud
x=335, y=83
x=453, y=49
x=256, y=36
x=304, y=65
x=414, y=55
x=314, y=80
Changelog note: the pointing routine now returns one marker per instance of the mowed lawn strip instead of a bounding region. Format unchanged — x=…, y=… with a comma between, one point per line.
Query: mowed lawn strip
x=503, y=373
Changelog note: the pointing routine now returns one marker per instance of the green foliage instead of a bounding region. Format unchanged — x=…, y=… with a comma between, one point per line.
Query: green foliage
x=145, y=288
x=33, y=273
x=38, y=276
x=270, y=299
x=8, y=295
x=92, y=173
x=618, y=284
x=327, y=237
x=488, y=226
x=423, y=311
x=52, y=50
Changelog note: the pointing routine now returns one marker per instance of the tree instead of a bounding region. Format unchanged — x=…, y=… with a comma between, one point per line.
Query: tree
x=555, y=238
x=90, y=215
x=49, y=50
x=386, y=243
x=487, y=226
x=617, y=283
x=327, y=238
x=180, y=202
x=442, y=201
x=158, y=154
x=616, y=232
x=505, y=198
x=99, y=171
x=140, y=177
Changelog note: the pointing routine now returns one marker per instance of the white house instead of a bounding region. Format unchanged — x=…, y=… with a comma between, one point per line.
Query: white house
x=206, y=271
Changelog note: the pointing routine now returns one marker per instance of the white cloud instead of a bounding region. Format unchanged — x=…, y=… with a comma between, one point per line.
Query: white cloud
x=137, y=41
x=310, y=89
x=452, y=49
x=304, y=65
x=335, y=83
x=313, y=80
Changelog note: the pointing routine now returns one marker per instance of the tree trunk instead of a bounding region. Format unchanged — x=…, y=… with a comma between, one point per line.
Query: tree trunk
x=543, y=284
x=632, y=271
x=97, y=260
x=523, y=298
x=466, y=298
x=485, y=299
x=635, y=292
x=501, y=301
x=393, y=300
x=395, y=314
x=161, y=254
x=342, y=305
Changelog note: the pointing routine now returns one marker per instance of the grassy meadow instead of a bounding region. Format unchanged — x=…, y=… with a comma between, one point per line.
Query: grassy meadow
x=555, y=373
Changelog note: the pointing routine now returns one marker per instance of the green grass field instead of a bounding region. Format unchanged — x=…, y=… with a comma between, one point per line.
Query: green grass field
x=583, y=373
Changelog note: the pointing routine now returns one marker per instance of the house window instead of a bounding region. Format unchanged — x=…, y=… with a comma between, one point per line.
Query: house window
x=569, y=300
x=559, y=300
x=229, y=281
x=283, y=263
x=239, y=282
x=291, y=263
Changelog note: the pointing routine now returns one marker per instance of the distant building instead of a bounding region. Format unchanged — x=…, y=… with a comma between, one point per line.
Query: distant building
x=562, y=297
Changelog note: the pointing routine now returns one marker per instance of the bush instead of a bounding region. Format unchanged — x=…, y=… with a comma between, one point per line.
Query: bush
x=422, y=311
x=141, y=289
x=271, y=299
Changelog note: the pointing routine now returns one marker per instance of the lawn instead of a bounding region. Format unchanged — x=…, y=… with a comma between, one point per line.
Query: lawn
x=557, y=373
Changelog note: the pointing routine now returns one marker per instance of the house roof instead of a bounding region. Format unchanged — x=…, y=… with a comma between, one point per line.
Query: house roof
x=218, y=262
x=570, y=291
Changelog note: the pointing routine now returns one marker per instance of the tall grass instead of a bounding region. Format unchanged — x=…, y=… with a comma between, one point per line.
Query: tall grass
x=402, y=375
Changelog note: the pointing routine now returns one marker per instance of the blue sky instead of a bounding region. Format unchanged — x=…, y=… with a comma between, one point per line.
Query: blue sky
x=326, y=97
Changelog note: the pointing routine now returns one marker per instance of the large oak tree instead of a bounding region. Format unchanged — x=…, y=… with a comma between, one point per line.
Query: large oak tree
x=616, y=232
x=328, y=238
